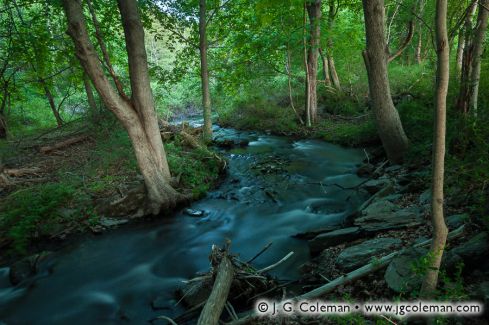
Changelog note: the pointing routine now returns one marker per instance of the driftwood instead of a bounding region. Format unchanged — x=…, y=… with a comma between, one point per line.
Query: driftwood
x=349, y=277
x=63, y=144
x=217, y=300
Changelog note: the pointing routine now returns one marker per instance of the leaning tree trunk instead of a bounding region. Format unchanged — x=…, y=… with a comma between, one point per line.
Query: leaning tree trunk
x=440, y=229
x=314, y=13
x=329, y=52
x=477, y=50
x=92, y=104
x=137, y=115
x=204, y=72
x=52, y=105
x=386, y=116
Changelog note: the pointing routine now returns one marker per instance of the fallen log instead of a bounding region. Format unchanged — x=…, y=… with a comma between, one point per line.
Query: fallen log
x=19, y=172
x=63, y=144
x=349, y=277
x=217, y=300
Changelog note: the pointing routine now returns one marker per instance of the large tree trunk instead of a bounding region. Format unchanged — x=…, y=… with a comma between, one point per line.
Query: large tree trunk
x=137, y=115
x=92, y=104
x=466, y=65
x=204, y=71
x=440, y=229
x=329, y=52
x=314, y=13
x=386, y=116
x=477, y=50
x=52, y=104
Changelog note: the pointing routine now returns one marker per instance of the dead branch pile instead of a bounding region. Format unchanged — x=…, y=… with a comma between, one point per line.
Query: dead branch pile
x=229, y=282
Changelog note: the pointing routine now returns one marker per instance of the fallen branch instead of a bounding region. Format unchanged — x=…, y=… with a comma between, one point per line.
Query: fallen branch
x=215, y=304
x=18, y=172
x=63, y=144
x=268, y=268
x=349, y=277
x=259, y=253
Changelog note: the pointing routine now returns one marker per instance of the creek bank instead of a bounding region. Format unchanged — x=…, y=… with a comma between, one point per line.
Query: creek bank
x=396, y=216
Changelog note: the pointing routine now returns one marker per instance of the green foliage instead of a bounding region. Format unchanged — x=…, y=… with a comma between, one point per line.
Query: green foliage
x=196, y=169
x=33, y=212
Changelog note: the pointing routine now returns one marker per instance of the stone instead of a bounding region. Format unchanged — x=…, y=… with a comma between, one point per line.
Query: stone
x=26, y=267
x=194, y=213
x=332, y=238
x=365, y=170
x=393, y=168
x=385, y=215
x=456, y=220
x=110, y=222
x=356, y=256
x=425, y=197
x=375, y=185
x=400, y=276
x=470, y=252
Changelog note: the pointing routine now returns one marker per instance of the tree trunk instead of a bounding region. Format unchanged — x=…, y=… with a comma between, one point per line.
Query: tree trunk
x=324, y=60
x=92, y=104
x=477, y=50
x=314, y=13
x=50, y=98
x=464, y=91
x=440, y=230
x=419, y=45
x=329, y=54
x=137, y=115
x=404, y=44
x=204, y=72
x=460, y=51
x=386, y=116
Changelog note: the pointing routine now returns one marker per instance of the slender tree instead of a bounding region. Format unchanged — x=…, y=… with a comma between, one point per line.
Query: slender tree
x=466, y=29
x=92, y=104
x=471, y=62
x=314, y=14
x=386, y=116
x=440, y=230
x=204, y=71
x=332, y=12
x=137, y=114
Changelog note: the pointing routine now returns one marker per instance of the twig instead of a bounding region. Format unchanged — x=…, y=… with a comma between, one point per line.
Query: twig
x=171, y=321
x=268, y=268
x=267, y=246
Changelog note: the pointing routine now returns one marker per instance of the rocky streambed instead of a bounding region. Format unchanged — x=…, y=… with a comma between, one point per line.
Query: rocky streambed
x=304, y=196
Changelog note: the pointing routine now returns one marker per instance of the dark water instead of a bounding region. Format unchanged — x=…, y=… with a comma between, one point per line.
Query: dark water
x=267, y=197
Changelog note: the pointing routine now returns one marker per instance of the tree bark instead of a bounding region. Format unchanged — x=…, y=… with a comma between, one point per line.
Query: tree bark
x=314, y=14
x=329, y=54
x=92, y=104
x=404, y=44
x=460, y=51
x=324, y=60
x=137, y=115
x=419, y=45
x=50, y=98
x=387, y=118
x=477, y=50
x=440, y=230
x=466, y=66
x=204, y=72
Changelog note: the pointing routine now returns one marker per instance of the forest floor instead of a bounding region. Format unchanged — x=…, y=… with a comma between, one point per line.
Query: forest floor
x=49, y=195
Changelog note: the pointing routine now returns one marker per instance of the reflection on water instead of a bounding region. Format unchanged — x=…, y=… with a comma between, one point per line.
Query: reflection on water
x=275, y=189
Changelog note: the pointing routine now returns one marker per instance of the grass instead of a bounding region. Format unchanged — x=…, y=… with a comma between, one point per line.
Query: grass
x=85, y=175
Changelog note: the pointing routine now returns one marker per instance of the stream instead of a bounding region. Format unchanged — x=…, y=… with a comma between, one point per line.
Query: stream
x=275, y=188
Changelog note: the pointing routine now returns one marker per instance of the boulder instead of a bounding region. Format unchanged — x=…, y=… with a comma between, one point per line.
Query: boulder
x=375, y=185
x=385, y=215
x=332, y=238
x=470, y=252
x=456, y=220
x=110, y=222
x=26, y=267
x=356, y=256
x=365, y=170
x=194, y=213
x=400, y=275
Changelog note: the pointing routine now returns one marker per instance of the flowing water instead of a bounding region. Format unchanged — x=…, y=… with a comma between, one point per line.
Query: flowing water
x=275, y=188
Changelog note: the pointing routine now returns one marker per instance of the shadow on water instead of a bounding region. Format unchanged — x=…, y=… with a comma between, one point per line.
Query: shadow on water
x=275, y=189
